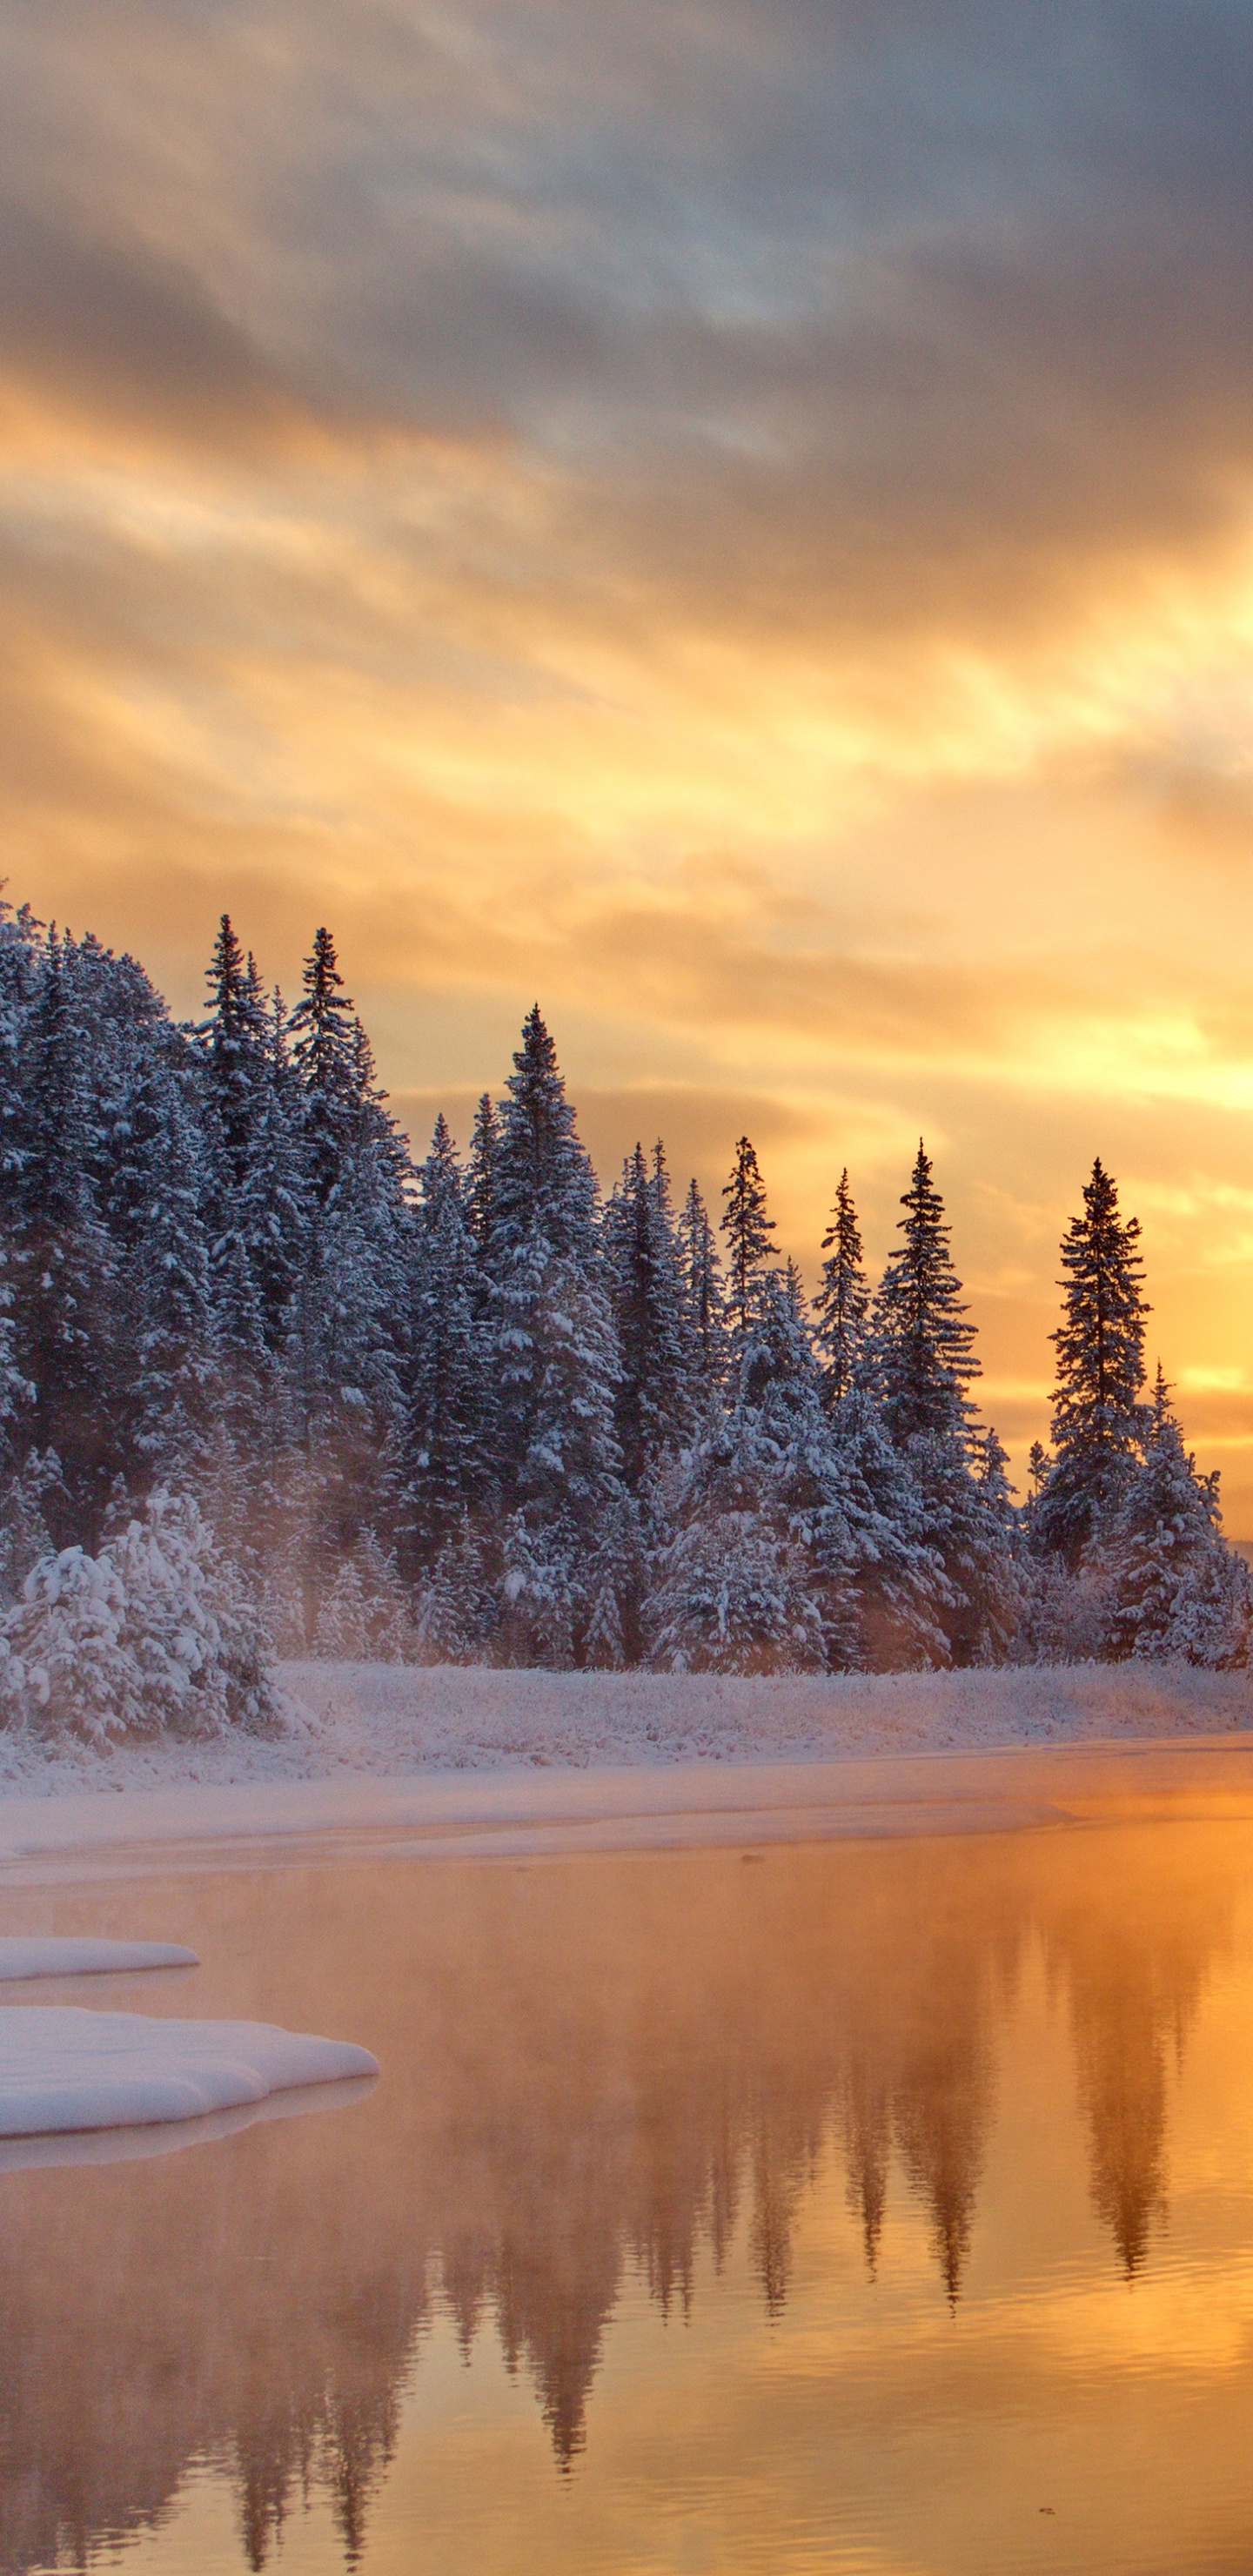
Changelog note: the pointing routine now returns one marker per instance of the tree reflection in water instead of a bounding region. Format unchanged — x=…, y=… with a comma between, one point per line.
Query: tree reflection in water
x=589, y=2066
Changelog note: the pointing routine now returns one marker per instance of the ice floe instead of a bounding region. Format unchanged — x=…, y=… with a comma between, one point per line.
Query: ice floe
x=66, y=2068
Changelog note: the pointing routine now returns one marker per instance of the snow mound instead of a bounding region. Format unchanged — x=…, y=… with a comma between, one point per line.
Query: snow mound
x=65, y=2068
x=21, y=1957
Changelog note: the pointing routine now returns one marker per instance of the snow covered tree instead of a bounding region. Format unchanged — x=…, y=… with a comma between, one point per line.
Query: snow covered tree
x=324, y=1053
x=61, y=1267
x=749, y=1250
x=440, y=1456
x=656, y=1390
x=365, y=1617
x=481, y=1183
x=554, y=1347
x=924, y=1348
x=151, y=1635
x=842, y=1304
x=1171, y=1585
x=702, y=1286
x=340, y=1355
x=924, y=1361
x=162, y=1291
x=744, y=1582
x=1098, y=1415
x=877, y=1528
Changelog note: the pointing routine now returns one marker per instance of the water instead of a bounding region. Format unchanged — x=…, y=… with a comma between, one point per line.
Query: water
x=846, y=2208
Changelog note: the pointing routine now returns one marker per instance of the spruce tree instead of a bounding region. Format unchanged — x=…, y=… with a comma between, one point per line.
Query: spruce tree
x=924, y=1361
x=481, y=1188
x=842, y=1304
x=749, y=1250
x=656, y=1391
x=1098, y=1416
x=63, y=1267
x=924, y=1347
x=439, y=1465
x=325, y=1054
x=553, y=1349
x=702, y=1285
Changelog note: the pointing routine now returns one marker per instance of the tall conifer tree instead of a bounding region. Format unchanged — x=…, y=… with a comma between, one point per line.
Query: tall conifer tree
x=843, y=1300
x=749, y=1250
x=924, y=1345
x=1098, y=1415
x=702, y=1285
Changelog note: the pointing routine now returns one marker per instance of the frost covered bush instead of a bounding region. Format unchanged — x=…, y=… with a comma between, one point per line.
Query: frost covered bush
x=153, y=1635
x=365, y=1617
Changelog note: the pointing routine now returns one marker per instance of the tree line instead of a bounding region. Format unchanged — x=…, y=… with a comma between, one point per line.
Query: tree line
x=267, y=1383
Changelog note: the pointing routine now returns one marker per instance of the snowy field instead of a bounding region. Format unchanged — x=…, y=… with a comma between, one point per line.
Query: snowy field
x=406, y=1720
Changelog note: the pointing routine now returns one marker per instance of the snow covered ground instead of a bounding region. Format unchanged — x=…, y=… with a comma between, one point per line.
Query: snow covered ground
x=456, y=1763
x=398, y=1720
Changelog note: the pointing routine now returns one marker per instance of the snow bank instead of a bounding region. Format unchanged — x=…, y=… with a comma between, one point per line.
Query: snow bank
x=21, y=1957
x=63, y=2067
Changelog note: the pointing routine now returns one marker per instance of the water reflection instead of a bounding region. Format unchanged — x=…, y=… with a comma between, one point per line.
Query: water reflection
x=591, y=2069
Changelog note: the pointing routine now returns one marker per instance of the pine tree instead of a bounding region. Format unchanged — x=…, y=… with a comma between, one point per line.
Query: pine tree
x=842, y=1304
x=1098, y=1417
x=749, y=1250
x=553, y=1348
x=61, y=1266
x=481, y=1188
x=325, y=1054
x=655, y=1402
x=170, y=1389
x=440, y=1458
x=702, y=1286
x=924, y=1360
x=923, y=1344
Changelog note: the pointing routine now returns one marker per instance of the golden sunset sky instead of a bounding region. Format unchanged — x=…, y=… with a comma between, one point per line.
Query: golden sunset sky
x=735, y=520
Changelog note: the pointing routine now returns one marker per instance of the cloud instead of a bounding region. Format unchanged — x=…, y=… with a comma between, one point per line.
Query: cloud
x=737, y=519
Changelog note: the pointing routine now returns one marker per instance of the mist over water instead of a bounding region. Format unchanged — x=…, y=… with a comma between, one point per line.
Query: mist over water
x=859, y=2207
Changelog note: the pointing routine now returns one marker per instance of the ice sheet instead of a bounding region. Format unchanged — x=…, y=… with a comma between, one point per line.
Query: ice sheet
x=66, y=2068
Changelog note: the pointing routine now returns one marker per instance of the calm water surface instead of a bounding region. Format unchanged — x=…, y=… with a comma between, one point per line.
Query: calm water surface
x=882, y=2207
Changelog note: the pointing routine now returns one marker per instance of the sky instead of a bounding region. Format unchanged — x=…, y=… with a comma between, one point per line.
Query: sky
x=734, y=521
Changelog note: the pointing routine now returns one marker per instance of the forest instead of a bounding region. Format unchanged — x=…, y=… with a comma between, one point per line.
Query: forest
x=270, y=1388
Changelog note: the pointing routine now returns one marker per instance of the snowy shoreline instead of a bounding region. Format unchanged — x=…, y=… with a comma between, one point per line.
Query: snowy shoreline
x=455, y=1763
x=398, y=1720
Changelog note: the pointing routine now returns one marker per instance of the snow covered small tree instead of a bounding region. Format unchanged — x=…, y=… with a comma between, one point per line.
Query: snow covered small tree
x=1098, y=1415
x=151, y=1635
x=1171, y=1585
x=365, y=1616
x=842, y=1304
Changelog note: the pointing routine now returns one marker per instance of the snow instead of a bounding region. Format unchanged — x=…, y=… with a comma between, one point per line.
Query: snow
x=21, y=1958
x=402, y=1719
x=459, y=1762
x=65, y=2068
